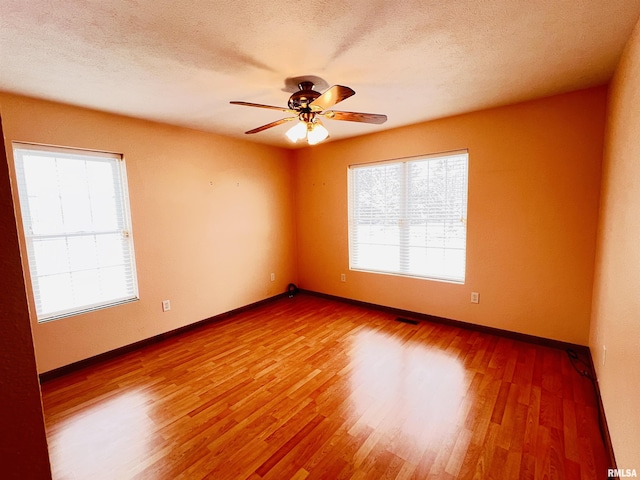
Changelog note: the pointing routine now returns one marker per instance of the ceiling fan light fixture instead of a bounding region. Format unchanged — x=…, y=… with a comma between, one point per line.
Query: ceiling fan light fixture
x=297, y=132
x=313, y=131
x=316, y=133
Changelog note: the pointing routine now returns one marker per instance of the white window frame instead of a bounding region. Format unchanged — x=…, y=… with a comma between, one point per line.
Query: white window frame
x=77, y=229
x=398, y=225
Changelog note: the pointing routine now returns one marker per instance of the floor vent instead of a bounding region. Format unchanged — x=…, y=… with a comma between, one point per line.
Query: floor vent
x=407, y=320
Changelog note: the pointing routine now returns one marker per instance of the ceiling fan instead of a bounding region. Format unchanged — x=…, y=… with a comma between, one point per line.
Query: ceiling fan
x=308, y=106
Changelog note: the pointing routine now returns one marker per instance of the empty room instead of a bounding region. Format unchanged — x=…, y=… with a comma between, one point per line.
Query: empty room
x=300, y=240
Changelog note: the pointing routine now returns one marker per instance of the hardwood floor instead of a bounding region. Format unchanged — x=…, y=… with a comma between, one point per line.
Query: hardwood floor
x=308, y=388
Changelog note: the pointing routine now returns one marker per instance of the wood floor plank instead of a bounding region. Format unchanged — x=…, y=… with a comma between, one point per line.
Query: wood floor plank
x=338, y=441
x=290, y=444
x=310, y=388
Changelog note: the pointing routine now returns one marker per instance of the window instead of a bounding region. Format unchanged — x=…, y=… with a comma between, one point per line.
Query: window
x=75, y=211
x=408, y=217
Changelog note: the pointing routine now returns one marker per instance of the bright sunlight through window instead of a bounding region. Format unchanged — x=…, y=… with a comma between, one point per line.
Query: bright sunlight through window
x=75, y=212
x=409, y=217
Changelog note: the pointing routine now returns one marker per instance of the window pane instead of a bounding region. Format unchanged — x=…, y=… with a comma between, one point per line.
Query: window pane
x=377, y=195
x=56, y=293
x=104, y=204
x=46, y=214
x=82, y=252
x=112, y=250
x=378, y=248
x=50, y=256
x=86, y=287
x=115, y=281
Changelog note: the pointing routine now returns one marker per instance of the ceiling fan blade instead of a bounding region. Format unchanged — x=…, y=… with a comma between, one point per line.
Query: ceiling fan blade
x=259, y=105
x=272, y=124
x=356, y=117
x=334, y=95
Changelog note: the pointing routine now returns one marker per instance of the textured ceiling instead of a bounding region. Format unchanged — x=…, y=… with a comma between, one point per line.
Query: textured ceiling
x=182, y=61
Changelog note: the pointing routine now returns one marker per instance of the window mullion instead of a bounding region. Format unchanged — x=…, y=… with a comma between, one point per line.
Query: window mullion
x=404, y=223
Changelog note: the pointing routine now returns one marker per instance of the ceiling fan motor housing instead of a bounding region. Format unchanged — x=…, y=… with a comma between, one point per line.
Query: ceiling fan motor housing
x=300, y=100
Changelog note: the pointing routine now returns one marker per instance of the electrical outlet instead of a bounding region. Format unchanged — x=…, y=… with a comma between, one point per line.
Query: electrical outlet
x=166, y=305
x=475, y=297
x=343, y=277
x=604, y=354
x=273, y=277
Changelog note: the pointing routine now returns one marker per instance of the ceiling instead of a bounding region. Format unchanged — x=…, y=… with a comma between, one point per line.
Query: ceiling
x=182, y=61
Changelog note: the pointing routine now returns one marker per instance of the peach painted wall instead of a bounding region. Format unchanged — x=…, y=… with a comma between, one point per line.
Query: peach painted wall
x=212, y=220
x=616, y=304
x=534, y=182
x=23, y=443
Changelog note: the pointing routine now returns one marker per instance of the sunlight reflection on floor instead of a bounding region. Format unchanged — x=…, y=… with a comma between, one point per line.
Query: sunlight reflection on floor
x=115, y=432
x=428, y=384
